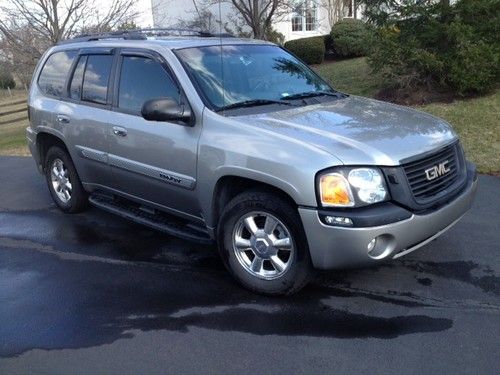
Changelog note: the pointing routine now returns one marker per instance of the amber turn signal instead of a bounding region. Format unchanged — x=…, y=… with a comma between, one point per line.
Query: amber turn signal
x=335, y=191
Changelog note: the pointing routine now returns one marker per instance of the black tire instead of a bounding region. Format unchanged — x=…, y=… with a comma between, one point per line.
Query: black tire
x=299, y=270
x=78, y=201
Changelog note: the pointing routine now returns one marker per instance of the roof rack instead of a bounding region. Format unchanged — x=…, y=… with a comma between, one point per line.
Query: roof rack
x=141, y=34
x=126, y=34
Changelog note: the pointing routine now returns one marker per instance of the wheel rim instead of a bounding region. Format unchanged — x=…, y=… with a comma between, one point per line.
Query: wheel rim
x=60, y=180
x=263, y=245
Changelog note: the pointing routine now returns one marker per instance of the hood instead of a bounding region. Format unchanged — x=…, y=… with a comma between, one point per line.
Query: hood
x=358, y=130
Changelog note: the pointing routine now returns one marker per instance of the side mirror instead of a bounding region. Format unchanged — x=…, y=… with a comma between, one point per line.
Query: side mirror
x=166, y=109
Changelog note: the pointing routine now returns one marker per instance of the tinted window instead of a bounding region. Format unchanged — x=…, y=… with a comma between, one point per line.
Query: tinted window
x=96, y=78
x=142, y=79
x=76, y=83
x=55, y=71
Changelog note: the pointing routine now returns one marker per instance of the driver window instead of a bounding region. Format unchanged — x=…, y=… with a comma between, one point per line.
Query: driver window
x=142, y=79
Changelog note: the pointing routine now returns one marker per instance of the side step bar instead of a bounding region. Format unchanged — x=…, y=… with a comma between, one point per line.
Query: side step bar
x=160, y=221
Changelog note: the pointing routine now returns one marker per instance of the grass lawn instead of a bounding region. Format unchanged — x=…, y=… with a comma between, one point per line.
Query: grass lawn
x=13, y=125
x=14, y=94
x=351, y=76
x=13, y=138
x=477, y=121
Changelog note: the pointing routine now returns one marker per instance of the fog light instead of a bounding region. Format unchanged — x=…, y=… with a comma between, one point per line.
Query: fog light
x=381, y=246
x=338, y=220
x=371, y=244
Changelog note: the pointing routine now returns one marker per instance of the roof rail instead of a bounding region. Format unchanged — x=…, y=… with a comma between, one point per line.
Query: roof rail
x=125, y=34
x=140, y=34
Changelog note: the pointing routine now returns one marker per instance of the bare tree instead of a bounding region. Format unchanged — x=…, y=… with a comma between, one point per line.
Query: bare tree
x=22, y=52
x=29, y=27
x=56, y=20
x=259, y=15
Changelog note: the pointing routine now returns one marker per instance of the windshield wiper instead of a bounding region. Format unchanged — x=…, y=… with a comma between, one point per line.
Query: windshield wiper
x=254, y=103
x=311, y=94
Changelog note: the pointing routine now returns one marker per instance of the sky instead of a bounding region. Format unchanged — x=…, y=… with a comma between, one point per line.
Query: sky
x=146, y=17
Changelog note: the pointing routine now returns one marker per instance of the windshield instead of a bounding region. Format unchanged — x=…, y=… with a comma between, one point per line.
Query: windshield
x=261, y=74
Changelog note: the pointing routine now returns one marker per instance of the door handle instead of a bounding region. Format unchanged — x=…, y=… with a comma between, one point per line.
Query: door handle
x=63, y=119
x=119, y=131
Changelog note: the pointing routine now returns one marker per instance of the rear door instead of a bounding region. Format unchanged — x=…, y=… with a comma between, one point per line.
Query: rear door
x=151, y=160
x=52, y=87
x=85, y=113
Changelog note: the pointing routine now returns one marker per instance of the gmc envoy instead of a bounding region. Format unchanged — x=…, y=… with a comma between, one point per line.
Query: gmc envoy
x=238, y=142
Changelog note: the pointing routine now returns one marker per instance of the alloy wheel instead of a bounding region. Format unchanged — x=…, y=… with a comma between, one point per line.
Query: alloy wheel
x=60, y=180
x=263, y=245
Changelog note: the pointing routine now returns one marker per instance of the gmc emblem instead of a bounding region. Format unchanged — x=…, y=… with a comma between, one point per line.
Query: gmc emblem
x=437, y=170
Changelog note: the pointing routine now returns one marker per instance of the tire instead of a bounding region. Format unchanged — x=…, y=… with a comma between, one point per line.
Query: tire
x=78, y=198
x=256, y=266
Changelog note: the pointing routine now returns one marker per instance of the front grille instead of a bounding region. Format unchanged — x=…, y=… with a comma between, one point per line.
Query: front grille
x=424, y=189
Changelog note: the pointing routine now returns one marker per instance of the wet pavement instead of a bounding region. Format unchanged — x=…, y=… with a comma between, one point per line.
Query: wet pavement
x=93, y=293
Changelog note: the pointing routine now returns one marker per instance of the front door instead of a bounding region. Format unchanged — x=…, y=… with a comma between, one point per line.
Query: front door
x=150, y=160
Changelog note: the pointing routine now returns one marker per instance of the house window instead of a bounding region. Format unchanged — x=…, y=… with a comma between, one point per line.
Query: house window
x=305, y=17
x=311, y=19
x=296, y=23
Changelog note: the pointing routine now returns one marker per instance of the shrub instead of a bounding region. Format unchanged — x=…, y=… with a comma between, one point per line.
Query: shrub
x=351, y=38
x=6, y=79
x=473, y=68
x=455, y=48
x=328, y=43
x=310, y=50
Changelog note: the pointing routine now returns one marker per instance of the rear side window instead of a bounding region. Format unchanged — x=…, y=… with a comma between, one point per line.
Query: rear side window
x=96, y=78
x=142, y=79
x=54, y=73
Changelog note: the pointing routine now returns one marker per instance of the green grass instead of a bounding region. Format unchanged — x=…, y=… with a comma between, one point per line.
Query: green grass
x=14, y=94
x=352, y=76
x=476, y=121
x=13, y=129
x=13, y=138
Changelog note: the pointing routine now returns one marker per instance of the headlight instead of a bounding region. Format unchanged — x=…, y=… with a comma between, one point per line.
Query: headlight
x=369, y=184
x=352, y=187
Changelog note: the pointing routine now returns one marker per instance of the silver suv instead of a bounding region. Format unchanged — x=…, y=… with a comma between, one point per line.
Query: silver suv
x=233, y=141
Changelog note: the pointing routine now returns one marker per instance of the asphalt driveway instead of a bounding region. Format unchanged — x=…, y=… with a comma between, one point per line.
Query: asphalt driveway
x=93, y=293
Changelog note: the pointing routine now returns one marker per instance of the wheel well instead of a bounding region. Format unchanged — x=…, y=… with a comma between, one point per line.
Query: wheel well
x=44, y=142
x=229, y=187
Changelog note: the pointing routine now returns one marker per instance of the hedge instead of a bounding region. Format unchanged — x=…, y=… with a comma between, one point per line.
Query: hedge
x=310, y=50
x=351, y=38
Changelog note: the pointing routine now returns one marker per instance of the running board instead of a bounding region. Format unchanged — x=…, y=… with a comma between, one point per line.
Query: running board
x=152, y=218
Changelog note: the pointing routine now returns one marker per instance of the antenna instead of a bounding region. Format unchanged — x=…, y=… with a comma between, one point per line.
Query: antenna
x=222, y=59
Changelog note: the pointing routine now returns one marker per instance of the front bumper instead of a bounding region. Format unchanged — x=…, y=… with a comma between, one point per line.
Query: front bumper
x=333, y=247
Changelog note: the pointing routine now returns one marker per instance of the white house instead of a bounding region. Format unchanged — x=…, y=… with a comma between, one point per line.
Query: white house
x=305, y=17
x=314, y=17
